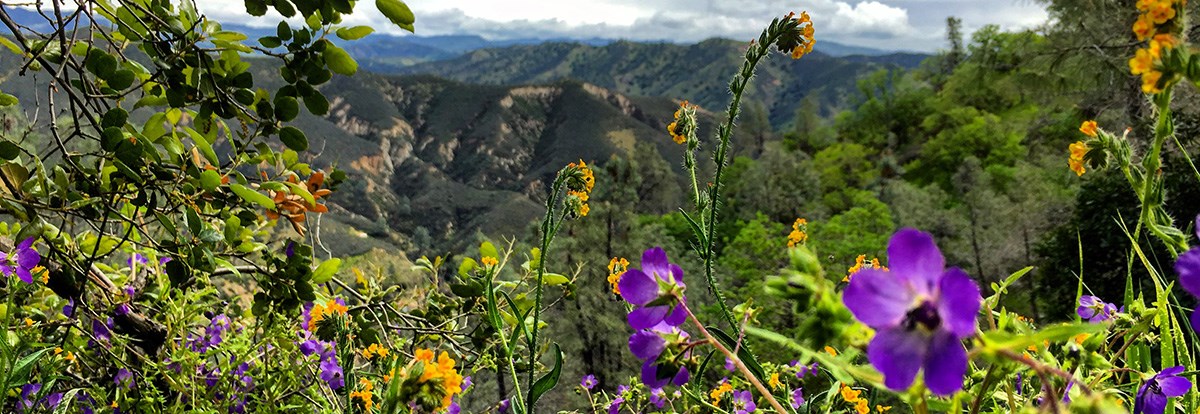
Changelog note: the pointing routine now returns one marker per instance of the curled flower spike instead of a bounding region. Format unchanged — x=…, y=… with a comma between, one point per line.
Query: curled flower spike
x=683, y=128
x=798, y=36
x=616, y=268
x=920, y=311
x=799, y=234
x=580, y=181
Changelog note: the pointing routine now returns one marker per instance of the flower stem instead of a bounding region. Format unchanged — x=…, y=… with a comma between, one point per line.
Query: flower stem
x=548, y=231
x=762, y=389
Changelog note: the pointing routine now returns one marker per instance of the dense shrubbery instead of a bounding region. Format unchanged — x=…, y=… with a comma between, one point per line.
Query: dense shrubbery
x=143, y=270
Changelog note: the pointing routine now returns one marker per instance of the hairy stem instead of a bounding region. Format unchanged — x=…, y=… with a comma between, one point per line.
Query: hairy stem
x=762, y=389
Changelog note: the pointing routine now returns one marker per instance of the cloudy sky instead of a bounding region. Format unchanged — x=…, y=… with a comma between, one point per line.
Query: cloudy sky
x=917, y=25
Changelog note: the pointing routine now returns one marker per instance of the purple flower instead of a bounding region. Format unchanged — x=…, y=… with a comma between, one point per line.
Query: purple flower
x=1094, y=309
x=658, y=397
x=28, y=392
x=290, y=249
x=807, y=370
x=101, y=331
x=743, y=402
x=466, y=382
x=331, y=373
x=797, y=398
x=615, y=406
x=729, y=366
x=454, y=408
x=588, y=382
x=20, y=261
x=1188, y=267
x=660, y=367
x=655, y=290
x=69, y=309
x=1152, y=396
x=503, y=408
x=123, y=309
x=136, y=258
x=124, y=378
x=920, y=311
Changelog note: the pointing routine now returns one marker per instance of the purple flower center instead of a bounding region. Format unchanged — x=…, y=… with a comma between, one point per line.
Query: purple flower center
x=925, y=315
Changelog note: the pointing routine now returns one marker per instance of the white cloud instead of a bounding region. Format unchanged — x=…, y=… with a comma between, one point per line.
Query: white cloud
x=899, y=24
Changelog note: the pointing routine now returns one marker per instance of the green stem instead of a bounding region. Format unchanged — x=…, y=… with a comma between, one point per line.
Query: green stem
x=518, y=404
x=738, y=86
x=762, y=389
x=548, y=231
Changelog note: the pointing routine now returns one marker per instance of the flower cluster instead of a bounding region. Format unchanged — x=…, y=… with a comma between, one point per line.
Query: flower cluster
x=1079, y=149
x=431, y=383
x=364, y=394
x=798, y=39
x=799, y=234
x=21, y=261
x=616, y=268
x=683, y=127
x=861, y=263
x=327, y=362
x=375, y=351
x=656, y=291
x=212, y=336
x=314, y=313
x=295, y=204
x=1157, y=24
x=920, y=311
x=854, y=397
x=580, y=182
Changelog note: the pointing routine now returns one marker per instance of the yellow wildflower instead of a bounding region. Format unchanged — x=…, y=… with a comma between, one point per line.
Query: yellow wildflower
x=774, y=381
x=365, y=394
x=1141, y=62
x=1081, y=337
x=1150, y=82
x=719, y=392
x=489, y=261
x=799, y=234
x=882, y=408
x=1143, y=27
x=862, y=406
x=1075, y=161
x=850, y=394
x=616, y=268
x=829, y=350
x=1088, y=128
x=1161, y=11
x=28, y=323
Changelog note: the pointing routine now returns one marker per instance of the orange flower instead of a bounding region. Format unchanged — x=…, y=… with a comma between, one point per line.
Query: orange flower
x=1088, y=128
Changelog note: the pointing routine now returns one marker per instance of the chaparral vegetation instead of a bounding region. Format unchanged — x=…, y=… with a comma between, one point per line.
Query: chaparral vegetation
x=228, y=219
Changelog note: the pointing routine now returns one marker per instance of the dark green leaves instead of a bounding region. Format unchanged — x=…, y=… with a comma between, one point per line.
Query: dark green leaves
x=397, y=12
x=9, y=151
x=286, y=108
x=293, y=138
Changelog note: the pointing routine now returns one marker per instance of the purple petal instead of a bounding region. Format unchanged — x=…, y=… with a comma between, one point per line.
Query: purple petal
x=650, y=375
x=1085, y=312
x=645, y=318
x=1188, y=267
x=646, y=345
x=945, y=364
x=676, y=317
x=1196, y=320
x=681, y=377
x=877, y=298
x=655, y=264
x=914, y=257
x=28, y=258
x=1170, y=371
x=677, y=273
x=1149, y=402
x=1174, y=386
x=1197, y=227
x=637, y=287
x=897, y=354
x=24, y=275
x=959, y=302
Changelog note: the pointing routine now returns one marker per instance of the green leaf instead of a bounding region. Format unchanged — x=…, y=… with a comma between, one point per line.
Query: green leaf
x=115, y=117
x=324, y=272
x=270, y=42
x=339, y=61
x=396, y=11
x=487, y=249
x=252, y=196
x=554, y=279
x=7, y=100
x=316, y=104
x=293, y=138
x=286, y=108
x=468, y=264
x=548, y=381
x=354, y=33
x=22, y=368
x=229, y=36
x=121, y=79
x=8, y=44
x=210, y=180
x=9, y=151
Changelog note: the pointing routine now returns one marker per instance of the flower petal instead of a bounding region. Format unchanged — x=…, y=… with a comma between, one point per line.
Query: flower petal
x=877, y=298
x=646, y=345
x=655, y=263
x=647, y=317
x=914, y=257
x=677, y=272
x=28, y=258
x=945, y=364
x=1174, y=386
x=650, y=375
x=897, y=353
x=637, y=287
x=1188, y=267
x=24, y=275
x=1196, y=320
x=1169, y=371
x=676, y=317
x=681, y=377
x=958, y=303
x=1149, y=402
